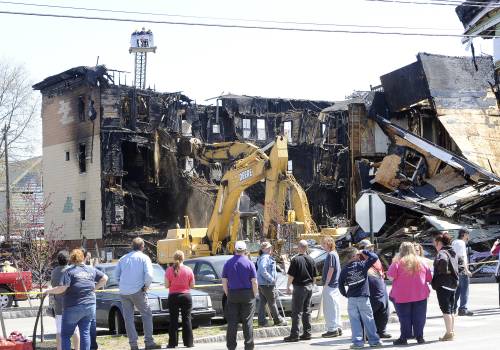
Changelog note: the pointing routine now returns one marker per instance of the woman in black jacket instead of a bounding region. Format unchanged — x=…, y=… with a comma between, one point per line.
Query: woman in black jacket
x=445, y=280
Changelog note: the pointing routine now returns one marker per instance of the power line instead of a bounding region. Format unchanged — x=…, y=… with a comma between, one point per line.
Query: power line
x=440, y=3
x=237, y=26
x=220, y=18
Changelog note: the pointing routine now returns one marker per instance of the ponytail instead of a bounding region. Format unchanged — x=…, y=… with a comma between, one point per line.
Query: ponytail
x=178, y=259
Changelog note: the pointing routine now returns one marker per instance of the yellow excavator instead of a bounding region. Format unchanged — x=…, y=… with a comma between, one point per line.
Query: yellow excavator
x=250, y=165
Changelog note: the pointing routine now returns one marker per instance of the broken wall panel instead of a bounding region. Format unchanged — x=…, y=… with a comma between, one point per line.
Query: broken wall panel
x=477, y=134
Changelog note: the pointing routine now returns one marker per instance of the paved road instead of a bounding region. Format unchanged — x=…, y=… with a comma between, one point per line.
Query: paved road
x=483, y=297
x=477, y=332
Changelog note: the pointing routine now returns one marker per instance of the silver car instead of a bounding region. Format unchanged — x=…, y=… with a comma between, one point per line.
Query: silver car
x=109, y=308
x=208, y=272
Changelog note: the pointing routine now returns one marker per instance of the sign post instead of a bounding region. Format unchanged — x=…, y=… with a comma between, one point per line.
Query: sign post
x=370, y=213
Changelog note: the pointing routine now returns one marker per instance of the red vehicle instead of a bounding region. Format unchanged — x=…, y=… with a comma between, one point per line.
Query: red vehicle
x=12, y=282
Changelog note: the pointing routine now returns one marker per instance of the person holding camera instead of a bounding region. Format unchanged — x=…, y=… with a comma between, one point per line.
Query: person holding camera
x=354, y=275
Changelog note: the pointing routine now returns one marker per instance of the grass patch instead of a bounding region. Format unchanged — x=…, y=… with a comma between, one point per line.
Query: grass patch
x=114, y=342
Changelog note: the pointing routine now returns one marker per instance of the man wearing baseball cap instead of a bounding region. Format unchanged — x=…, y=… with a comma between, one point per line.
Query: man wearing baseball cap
x=239, y=280
x=266, y=278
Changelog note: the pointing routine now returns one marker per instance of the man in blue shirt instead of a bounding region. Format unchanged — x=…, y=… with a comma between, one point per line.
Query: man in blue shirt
x=266, y=278
x=355, y=276
x=135, y=274
x=239, y=281
x=331, y=294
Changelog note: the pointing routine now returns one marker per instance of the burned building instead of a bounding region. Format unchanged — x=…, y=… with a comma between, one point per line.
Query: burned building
x=110, y=159
x=113, y=166
x=317, y=145
x=426, y=141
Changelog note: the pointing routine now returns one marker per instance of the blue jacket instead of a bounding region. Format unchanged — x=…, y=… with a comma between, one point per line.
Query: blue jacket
x=266, y=270
x=354, y=275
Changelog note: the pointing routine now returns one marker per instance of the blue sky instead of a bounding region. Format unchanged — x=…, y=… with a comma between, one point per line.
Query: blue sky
x=203, y=62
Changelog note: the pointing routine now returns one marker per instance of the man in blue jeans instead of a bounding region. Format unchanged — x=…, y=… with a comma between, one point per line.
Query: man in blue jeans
x=266, y=278
x=355, y=276
x=460, y=247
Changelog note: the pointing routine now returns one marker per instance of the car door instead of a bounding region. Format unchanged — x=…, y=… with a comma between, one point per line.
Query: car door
x=206, y=276
x=104, y=300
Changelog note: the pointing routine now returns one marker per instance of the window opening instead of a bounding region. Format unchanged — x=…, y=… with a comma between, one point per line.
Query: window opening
x=261, y=129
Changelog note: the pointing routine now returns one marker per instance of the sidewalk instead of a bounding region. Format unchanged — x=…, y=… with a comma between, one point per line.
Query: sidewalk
x=481, y=296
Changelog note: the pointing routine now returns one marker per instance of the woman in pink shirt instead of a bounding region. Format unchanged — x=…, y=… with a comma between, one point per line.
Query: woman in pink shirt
x=410, y=276
x=179, y=280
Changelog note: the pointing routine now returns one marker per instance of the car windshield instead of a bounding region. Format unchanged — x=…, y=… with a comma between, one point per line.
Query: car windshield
x=158, y=275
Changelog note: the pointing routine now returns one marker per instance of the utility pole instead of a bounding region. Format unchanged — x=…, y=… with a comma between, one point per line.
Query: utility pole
x=7, y=187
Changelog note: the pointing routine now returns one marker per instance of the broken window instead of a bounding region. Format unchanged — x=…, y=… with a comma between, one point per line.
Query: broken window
x=261, y=129
x=82, y=210
x=82, y=162
x=81, y=108
x=67, y=156
x=287, y=130
x=83, y=197
x=247, y=128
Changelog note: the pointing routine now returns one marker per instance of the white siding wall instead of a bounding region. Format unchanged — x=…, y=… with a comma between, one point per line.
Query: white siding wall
x=64, y=184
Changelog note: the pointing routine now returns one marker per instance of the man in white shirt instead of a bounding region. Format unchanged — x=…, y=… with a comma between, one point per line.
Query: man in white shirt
x=462, y=292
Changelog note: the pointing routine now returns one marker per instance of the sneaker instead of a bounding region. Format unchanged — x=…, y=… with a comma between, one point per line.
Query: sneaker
x=376, y=345
x=134, y=347
x=465, y=312
x=331, y=334
x=264, y=325
x=447, y=337
x=420, y=340
x=305, y=337
x=153, y=346
x=356, y=346
x=400, y=341
x=340, y=331
x=385, y=336
x=290, y=339
x=281, y=323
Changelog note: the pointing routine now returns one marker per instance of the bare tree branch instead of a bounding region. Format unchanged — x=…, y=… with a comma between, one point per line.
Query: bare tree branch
x=18, y=107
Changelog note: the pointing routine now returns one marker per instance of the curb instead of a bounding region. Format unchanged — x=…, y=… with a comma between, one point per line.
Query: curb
x=21, y=312
x=274, y=332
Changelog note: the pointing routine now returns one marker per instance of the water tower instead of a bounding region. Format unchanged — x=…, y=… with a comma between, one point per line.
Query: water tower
x=141, y=42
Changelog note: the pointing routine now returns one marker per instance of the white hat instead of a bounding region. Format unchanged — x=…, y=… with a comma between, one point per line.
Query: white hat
x=364, y=244
x=240, y=246
x=265, y=245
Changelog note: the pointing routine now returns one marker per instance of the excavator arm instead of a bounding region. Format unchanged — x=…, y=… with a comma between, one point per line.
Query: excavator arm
x=250, y=165
x=246, y=172
x=221, y=152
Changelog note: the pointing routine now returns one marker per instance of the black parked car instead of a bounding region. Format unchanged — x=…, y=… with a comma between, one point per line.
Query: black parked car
x=109, y=309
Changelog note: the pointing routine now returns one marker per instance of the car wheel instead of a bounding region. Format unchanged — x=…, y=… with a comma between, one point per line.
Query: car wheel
x=117, y=324
x=5, y=300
